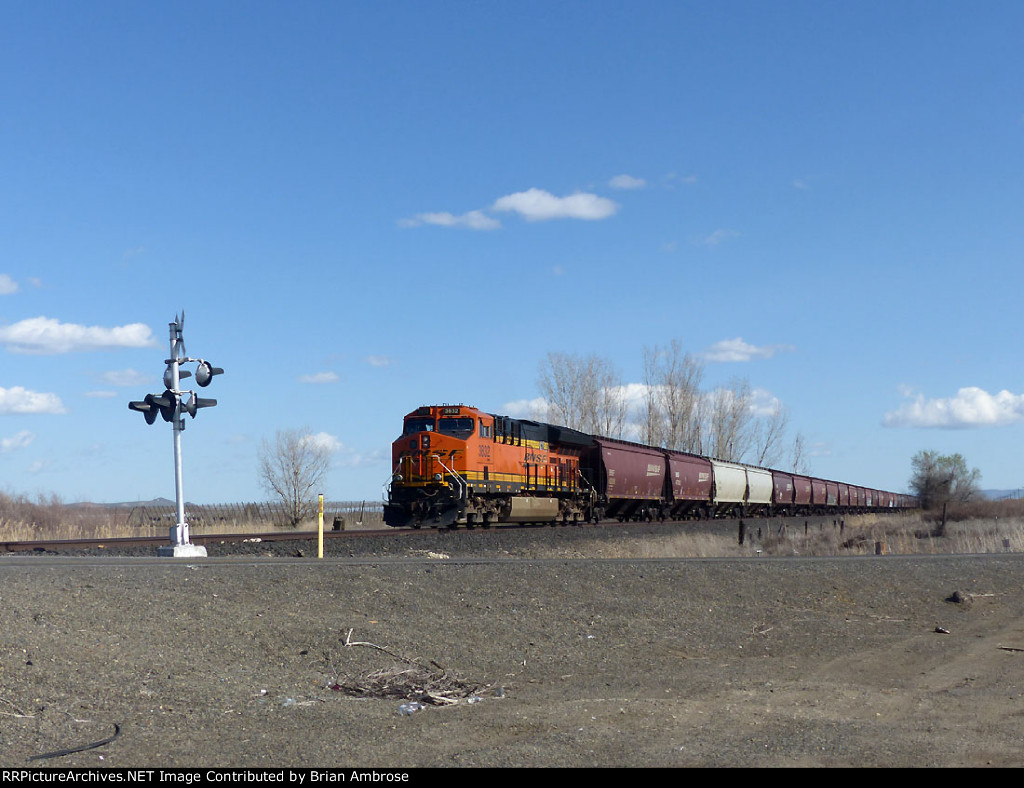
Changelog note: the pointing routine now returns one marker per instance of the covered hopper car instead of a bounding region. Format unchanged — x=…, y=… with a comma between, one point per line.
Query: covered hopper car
x=456, y=465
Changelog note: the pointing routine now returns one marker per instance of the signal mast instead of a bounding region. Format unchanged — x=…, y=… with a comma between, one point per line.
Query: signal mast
x=172, y=407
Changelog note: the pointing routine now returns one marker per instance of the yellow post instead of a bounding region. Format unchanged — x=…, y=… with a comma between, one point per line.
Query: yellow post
x=320, y=530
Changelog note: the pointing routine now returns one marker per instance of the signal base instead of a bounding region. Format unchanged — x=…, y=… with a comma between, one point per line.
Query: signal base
x=181, y=551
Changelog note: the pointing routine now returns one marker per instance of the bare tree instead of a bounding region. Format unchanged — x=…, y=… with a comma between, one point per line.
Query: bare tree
x=728, y=422
x=291, y=469
x=798, y=455
x=609, y=412
x=561, y=385
x=673, y=379
x=769, y=433
x=583, y=393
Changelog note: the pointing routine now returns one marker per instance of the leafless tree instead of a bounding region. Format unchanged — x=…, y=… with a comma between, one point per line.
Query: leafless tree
x=291, y=469
x=672, y=379
x=583, y=393
x=798, y=455
x=728, y=422
x=610, y=408
x=586, y=393
x=769, y=432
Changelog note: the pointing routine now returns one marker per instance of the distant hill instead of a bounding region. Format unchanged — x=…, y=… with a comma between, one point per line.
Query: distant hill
x=126, y=504
x=998, y=495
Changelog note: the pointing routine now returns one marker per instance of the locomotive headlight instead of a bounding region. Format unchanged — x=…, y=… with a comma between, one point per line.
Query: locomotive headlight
x=437, y=477
x=425, y=441
x=397, y=477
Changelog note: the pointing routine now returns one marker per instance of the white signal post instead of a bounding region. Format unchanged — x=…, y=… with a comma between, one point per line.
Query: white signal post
x=180, y=545
x=170, y=406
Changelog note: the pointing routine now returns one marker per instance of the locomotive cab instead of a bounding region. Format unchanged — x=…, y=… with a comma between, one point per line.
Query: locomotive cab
x=428, y=483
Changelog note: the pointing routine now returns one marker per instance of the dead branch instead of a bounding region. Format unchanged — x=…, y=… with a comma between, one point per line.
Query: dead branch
x=424, y=680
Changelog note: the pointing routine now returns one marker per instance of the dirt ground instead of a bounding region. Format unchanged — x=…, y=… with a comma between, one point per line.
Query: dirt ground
x=242, y=661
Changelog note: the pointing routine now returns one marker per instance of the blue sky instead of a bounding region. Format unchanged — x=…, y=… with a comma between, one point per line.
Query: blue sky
x=366, y=207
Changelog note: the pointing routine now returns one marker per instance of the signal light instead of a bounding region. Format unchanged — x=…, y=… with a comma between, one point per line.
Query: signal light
x=166, y=402
x=205, y=372
x=195, y=403
x=147, y=409
x=169, y=376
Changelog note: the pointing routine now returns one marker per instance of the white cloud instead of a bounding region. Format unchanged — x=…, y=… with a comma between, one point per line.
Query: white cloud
x=43, y=335
x=473, y=220
x=379, y=361
x=125, y=377
x=534, y=205
x=536, y=408
x=319, y=377
x=670, y=180
x=764, y=403
x=537, y=205
x=101, y=394
x=738, y=350
x=19, y=441
x=344, y=457
x=353, y=459
x=323, y=440
x=717, y=237
x=22, y=400
x=971, y=407
x=7, y=285
x=627, y=182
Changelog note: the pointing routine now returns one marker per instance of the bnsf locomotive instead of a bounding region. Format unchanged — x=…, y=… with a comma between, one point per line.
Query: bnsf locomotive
x=455, y=465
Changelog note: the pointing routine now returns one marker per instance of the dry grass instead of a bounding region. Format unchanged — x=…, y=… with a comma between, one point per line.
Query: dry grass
x=26, y=519
x=982, y=527
x=913, y=534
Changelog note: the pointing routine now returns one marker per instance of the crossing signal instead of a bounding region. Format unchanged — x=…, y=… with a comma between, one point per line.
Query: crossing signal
x=171, y=405
x=195, y=403
x=169, y=376
x=146, y=408
x=205, y=372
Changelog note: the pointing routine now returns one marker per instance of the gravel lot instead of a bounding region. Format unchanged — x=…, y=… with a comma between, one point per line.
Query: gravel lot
x=565, y=661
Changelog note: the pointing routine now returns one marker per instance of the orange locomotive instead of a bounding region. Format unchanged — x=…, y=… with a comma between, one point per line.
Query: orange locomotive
x=456, y=465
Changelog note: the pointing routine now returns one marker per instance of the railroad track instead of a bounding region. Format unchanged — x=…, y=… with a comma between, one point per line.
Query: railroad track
x=199, y=539
x=750, y=526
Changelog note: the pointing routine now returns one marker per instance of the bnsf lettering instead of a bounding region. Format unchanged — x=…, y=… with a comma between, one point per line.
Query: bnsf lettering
x=534, y=457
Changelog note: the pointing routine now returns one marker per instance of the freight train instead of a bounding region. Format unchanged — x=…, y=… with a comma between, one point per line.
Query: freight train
x=456, y=465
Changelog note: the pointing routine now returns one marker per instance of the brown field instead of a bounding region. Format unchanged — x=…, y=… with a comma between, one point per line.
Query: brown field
x=981, y=527
x=543, y=647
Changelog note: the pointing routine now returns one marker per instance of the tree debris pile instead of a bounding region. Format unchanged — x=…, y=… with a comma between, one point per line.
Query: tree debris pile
x=419, y=680
x=433, y=686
